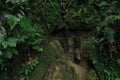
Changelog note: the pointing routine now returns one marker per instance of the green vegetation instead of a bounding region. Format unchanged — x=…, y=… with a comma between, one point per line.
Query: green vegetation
x=45, y=58
x=26, y=25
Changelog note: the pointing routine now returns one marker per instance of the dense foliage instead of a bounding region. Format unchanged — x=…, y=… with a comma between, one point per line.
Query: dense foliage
x=25, y=24
x=19, y=39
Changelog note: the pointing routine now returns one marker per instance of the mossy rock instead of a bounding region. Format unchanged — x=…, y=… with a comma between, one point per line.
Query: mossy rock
x=66, y=70
x=44, y=60
x=50, y=52
x=58, y=76
x=65, y=73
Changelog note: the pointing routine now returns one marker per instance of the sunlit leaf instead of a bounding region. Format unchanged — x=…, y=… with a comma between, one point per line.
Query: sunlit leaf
x=12, y=42
x=12, y=21
x=5, y=44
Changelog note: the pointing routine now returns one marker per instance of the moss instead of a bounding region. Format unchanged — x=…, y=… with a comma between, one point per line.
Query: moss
x=59, y=76
x=66, y=74
x=45, y=59
x=69, y=68
x=75, y=74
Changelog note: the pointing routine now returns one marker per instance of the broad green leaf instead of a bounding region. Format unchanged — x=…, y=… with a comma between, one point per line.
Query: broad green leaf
x=12, y=42
x=41, y=49
x=5, y=44
x=25, y=23
x=12, y=21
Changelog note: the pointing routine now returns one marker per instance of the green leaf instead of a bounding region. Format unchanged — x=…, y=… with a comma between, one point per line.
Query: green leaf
x=25, y=23
x=5, y=44
x=117, y=17
x=0, y=53
x=109, y=34
x=16, y=1
x=9, y=54
x=2, y=34
x=99, y=28
x=103, y=3
x=22, y=38
x=40, y=49
x=118, y=61
x=12, y=21
x=8, y=1
x=102, y=39
x=12, y=42
x=24, y=0
x=117, y=79
x=26, y=71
